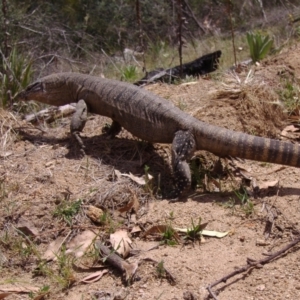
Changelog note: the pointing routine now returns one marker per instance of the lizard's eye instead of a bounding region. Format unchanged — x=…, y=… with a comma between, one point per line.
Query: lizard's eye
x=35, y=87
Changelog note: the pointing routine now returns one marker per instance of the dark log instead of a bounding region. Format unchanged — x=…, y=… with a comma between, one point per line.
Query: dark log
x=200, y=66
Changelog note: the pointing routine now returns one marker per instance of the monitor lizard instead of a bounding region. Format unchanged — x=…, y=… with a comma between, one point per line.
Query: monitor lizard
x=154, y=119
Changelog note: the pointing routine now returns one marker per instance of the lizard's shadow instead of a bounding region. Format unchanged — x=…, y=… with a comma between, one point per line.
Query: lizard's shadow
x=131, y=155
x=125, y=155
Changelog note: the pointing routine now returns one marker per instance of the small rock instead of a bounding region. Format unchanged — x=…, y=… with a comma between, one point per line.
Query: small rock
x=260, y=242
x=95, y=213
x=260, y=287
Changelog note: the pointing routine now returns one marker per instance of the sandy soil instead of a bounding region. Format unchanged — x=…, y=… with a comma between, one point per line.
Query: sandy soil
x=41, y=168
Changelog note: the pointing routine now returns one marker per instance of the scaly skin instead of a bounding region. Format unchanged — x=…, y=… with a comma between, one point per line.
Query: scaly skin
x=154, y=119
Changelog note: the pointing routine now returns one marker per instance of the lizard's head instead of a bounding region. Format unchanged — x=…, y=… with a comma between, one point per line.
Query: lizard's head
x=50, y=90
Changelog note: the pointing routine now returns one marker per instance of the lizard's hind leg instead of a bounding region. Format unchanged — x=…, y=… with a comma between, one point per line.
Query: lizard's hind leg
x=183, y=147
x=112, y=130
x=78, y=121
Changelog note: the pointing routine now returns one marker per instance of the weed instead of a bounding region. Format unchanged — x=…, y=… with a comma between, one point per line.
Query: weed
x=67, y=210
x=168, y=236
x=42, y=269
x=129, y=73
x=16, y=74
x=41, y=293
x=194, y=232
x=197, y=172
x=230, y=203
x=246, y=204
x=149, y=185
x=160, y=269
x=181, y=105
x=171, y=215
x=66, y=277
x=290, y=95
x=259, y=45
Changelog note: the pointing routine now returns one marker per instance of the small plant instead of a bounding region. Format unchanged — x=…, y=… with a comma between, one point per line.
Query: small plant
x=181, y=105
x=290, y=95
x=259, y=45
x=246, y=203
x=160, y=269
x=171, y=215
x=41, y=293
x=67, y=210
x=168, y=236
x=129, y=73
x=149, y=185
x=42, y=269
x=194, y=232
x=15, y=74
x=66, y=275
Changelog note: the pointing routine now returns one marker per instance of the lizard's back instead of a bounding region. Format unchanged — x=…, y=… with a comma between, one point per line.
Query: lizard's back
x=144, y=114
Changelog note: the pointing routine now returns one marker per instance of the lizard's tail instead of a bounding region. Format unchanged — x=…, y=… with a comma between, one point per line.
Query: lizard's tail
x=223, y=142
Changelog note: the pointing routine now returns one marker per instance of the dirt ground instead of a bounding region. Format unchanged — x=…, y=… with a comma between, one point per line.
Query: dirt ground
x=41, y=168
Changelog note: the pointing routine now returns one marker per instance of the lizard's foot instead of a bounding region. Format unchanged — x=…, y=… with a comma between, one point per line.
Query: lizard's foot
x=112, y=130
x=177, y=195
x=79, y=141
x=183, y=147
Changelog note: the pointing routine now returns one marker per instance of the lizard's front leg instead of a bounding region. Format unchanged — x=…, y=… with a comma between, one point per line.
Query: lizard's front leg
x=183, y=147
x=78, y=121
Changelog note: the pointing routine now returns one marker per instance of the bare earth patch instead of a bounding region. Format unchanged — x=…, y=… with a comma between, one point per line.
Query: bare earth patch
x=42, y=170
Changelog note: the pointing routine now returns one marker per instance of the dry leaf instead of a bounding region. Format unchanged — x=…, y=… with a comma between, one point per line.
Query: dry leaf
x=53, y=249
x=156, y=229
x=4, y=295
x=81, y=243
x=18, y=288
x=132, y=204
x=27, y=227
x=139, y=180
x=211, y=233
x=290, y=128
x=268, y=184
x=4, y=155
x=121, y=242
x=93, y=277
x=117, y=173
x=291, y=131
x=136, y=229
x=160, y=229
x=41, y=296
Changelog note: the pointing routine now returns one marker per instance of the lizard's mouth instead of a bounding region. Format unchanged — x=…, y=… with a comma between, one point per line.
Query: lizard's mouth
x=32, y=90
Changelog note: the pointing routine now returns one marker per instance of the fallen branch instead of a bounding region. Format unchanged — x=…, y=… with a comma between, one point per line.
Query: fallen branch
x=51, y=114
x=115, y=260
x=251, y=264
x=200, y=66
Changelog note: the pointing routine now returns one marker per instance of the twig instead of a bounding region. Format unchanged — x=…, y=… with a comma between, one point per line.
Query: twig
x=29, y=29
x=193, y=16
x=5, y=30
x=58, y=56
x=252, y=264
x=115, y=260
x=179, y=33
x=141, y=35
x=111, y=61
x=231, y=29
